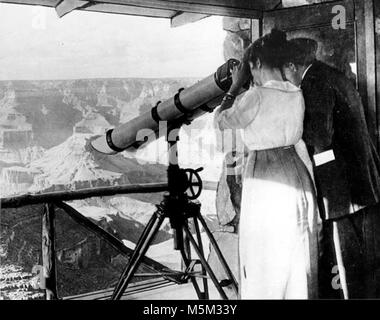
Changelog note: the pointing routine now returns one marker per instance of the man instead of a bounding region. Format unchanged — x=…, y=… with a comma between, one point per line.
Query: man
x=346, y=167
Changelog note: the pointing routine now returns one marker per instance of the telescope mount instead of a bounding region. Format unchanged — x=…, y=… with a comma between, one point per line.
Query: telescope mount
x=178, y=205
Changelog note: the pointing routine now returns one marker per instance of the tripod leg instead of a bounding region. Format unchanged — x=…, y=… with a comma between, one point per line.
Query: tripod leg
x=186, y=258
x=146, y=230
x=193, y=280
x=205, y=264
x=141, y=248
x=219, y=254
x=186, y=247
x=199, y=238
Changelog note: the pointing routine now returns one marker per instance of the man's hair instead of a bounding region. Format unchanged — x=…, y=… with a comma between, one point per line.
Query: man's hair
x=302, y=51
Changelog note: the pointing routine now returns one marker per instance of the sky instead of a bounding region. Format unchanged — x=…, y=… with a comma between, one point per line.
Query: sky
x=37, y=45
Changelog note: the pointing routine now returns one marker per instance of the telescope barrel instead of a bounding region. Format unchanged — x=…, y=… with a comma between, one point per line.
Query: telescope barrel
x=188, y=104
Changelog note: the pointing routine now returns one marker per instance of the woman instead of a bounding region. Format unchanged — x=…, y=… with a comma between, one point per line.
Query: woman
x=278, y=233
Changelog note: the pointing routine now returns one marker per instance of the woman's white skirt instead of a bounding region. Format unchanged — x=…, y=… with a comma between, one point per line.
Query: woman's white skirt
x=278, y=230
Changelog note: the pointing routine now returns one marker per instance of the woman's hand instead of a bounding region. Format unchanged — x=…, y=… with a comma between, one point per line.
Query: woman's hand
x=240, y=76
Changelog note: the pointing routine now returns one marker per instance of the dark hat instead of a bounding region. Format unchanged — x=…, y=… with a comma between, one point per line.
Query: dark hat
x=303, y=51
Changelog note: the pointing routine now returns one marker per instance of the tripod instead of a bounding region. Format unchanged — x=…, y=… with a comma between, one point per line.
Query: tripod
x=178, y=207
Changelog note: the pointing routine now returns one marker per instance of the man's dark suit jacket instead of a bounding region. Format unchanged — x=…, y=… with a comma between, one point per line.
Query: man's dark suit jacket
x=334, y=119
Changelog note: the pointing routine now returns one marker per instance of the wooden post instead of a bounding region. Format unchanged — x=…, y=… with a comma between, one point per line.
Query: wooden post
x=366, y=62
x=367, y=88
x=377, y=46
x=48, y=251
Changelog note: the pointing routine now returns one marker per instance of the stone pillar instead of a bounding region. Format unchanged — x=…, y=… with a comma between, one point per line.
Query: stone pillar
x=238, y=37
x=228, y=194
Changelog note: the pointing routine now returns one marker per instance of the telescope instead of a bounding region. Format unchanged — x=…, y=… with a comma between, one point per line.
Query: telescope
x=185, y=106
x=184, y=185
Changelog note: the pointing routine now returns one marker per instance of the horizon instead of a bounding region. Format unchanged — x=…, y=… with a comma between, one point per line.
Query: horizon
x=106, y=78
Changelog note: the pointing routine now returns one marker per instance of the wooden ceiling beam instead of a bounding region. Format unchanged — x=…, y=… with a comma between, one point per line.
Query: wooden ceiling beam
x=230, y=8
x=183, y=18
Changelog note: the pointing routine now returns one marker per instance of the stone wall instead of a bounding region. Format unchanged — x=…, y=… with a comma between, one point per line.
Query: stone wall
x=229, y=190
x=238, y=37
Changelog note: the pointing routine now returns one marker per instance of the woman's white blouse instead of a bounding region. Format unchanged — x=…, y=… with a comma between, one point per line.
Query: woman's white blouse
x=270, y=116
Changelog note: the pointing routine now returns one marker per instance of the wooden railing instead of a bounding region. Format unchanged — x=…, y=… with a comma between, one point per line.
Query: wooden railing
x=54, y=200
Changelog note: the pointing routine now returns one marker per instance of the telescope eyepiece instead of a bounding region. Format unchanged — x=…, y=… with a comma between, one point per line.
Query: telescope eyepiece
x=223, y=77
x=110, y=143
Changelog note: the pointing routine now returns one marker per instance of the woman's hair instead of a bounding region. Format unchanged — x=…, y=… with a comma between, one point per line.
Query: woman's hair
x=272, y=49
x=302, y=51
